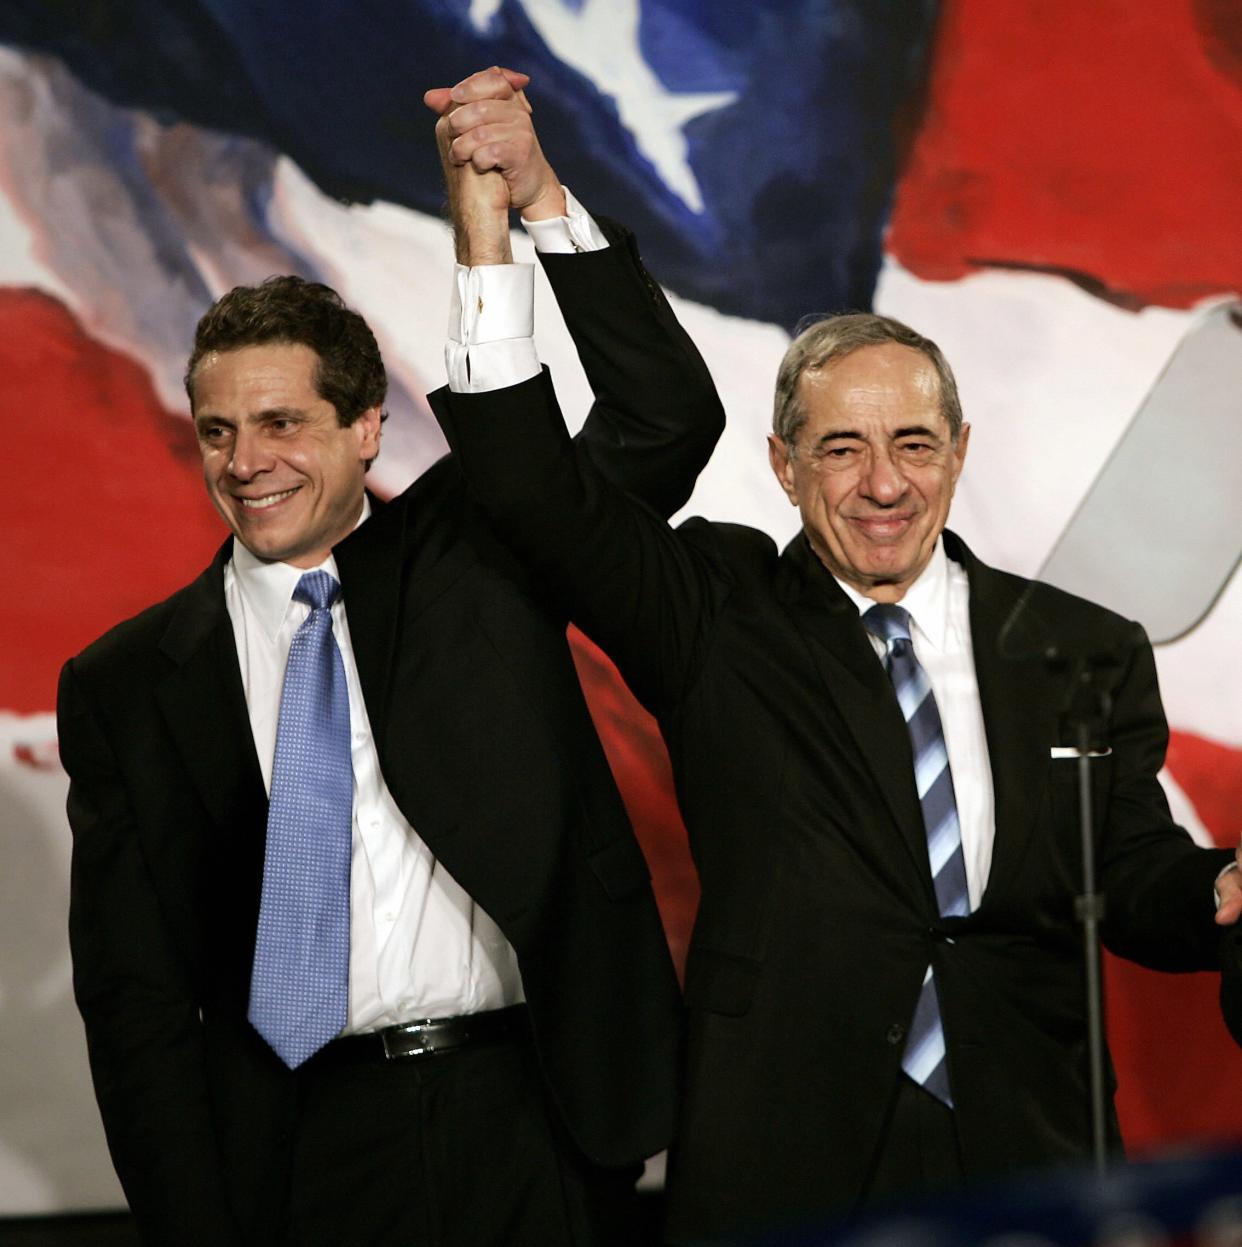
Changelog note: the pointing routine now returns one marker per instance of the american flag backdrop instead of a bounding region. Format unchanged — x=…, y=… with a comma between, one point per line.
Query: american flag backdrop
x=1049, y=188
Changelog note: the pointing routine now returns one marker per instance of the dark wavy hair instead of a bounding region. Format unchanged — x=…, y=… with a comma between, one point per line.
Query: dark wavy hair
x=350, y=374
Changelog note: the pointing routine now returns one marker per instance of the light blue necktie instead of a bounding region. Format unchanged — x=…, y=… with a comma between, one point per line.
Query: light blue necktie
x=299, y=987
x=924, y=1057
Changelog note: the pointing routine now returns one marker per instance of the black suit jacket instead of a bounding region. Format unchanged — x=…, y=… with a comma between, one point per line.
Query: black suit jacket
x=1231, y=983
x=794, y=773
x=484, y=741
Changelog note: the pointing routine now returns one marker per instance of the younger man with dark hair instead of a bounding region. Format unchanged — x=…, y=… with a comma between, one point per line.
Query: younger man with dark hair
x=365, y=947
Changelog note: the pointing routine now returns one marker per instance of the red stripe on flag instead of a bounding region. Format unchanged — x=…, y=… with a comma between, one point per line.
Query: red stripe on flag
x=640, y=763
x=1102, y=139
x=104, y=511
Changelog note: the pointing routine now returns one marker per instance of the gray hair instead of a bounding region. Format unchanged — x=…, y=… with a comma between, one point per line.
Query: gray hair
x=833, y=338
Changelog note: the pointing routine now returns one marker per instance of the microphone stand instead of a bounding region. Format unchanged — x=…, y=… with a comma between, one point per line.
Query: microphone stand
x=1088, y=677
x=1085, y=715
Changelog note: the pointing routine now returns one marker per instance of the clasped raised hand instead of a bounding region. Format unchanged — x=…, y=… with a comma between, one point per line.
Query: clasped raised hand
x=488, y=147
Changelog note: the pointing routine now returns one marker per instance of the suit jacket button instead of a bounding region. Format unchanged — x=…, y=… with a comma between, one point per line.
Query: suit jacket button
x=896, y=1033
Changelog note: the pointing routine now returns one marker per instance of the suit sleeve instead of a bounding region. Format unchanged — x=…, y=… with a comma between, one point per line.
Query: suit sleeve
x=1157, y=882
x=646, y=593
x=143, y=1031
x=656, y=415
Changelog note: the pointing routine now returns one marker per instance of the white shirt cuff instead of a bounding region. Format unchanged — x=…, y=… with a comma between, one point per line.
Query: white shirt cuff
x=491, y=341
x=1220, y=875
x=491, y=327
x=575, y=231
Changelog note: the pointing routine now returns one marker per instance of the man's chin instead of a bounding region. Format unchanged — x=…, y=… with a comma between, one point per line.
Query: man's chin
x=270, y=547
x=891, y=566
x=264, y=552
x=305, y=552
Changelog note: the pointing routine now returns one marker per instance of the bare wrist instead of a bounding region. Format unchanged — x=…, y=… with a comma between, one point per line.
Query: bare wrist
x=482, y=238
x=549, y=203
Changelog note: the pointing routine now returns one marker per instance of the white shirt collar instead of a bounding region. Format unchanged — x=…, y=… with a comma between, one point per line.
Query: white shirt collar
x=268, y=587
x=927, y=599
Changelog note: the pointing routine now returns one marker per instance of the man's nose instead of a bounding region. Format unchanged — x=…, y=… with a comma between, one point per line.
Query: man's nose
x=883, y=481
x=249, y=456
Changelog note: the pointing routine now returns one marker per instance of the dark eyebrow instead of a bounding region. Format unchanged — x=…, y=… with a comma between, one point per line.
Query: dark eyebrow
x=852, y=435
x=840, y=436
x=202, y=418
x=269, y=413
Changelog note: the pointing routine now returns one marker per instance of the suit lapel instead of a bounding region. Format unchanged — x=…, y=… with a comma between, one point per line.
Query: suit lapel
x=393, y=568
x=1019, y=703
x=204, y=704
x=856, y=681
x=369, y=561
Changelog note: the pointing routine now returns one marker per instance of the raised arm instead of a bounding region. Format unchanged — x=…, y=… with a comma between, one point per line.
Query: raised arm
x=648, y=594
x=656, y=415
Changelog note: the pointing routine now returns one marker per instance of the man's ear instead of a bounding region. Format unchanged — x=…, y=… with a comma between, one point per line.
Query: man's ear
x=959, y=451
x=781, y=458
x=367, y=428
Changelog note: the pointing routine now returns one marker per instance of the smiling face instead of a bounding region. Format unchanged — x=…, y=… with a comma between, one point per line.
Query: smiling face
x=280, y=468
x=873, y=468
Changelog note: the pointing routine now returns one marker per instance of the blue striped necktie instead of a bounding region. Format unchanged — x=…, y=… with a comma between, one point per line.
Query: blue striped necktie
x=299, y=987
x=924, y=1057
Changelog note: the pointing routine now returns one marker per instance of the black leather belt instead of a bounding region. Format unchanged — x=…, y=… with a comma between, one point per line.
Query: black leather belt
x=427, y=1038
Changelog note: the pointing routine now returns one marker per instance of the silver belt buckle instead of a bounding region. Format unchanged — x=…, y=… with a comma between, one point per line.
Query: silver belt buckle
x=393, y=1038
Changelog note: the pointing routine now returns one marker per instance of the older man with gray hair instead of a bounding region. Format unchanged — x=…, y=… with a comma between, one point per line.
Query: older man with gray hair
x=884, y=985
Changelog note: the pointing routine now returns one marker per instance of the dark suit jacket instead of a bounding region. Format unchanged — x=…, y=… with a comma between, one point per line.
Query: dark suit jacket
x=794, y=773
x=1231, y=983
x=487, y=747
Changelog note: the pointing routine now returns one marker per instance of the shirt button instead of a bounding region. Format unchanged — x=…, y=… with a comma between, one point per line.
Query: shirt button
x=896, y=1033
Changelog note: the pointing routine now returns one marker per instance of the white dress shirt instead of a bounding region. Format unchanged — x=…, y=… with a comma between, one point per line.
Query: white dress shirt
x=419, y=946
x=939, y=606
